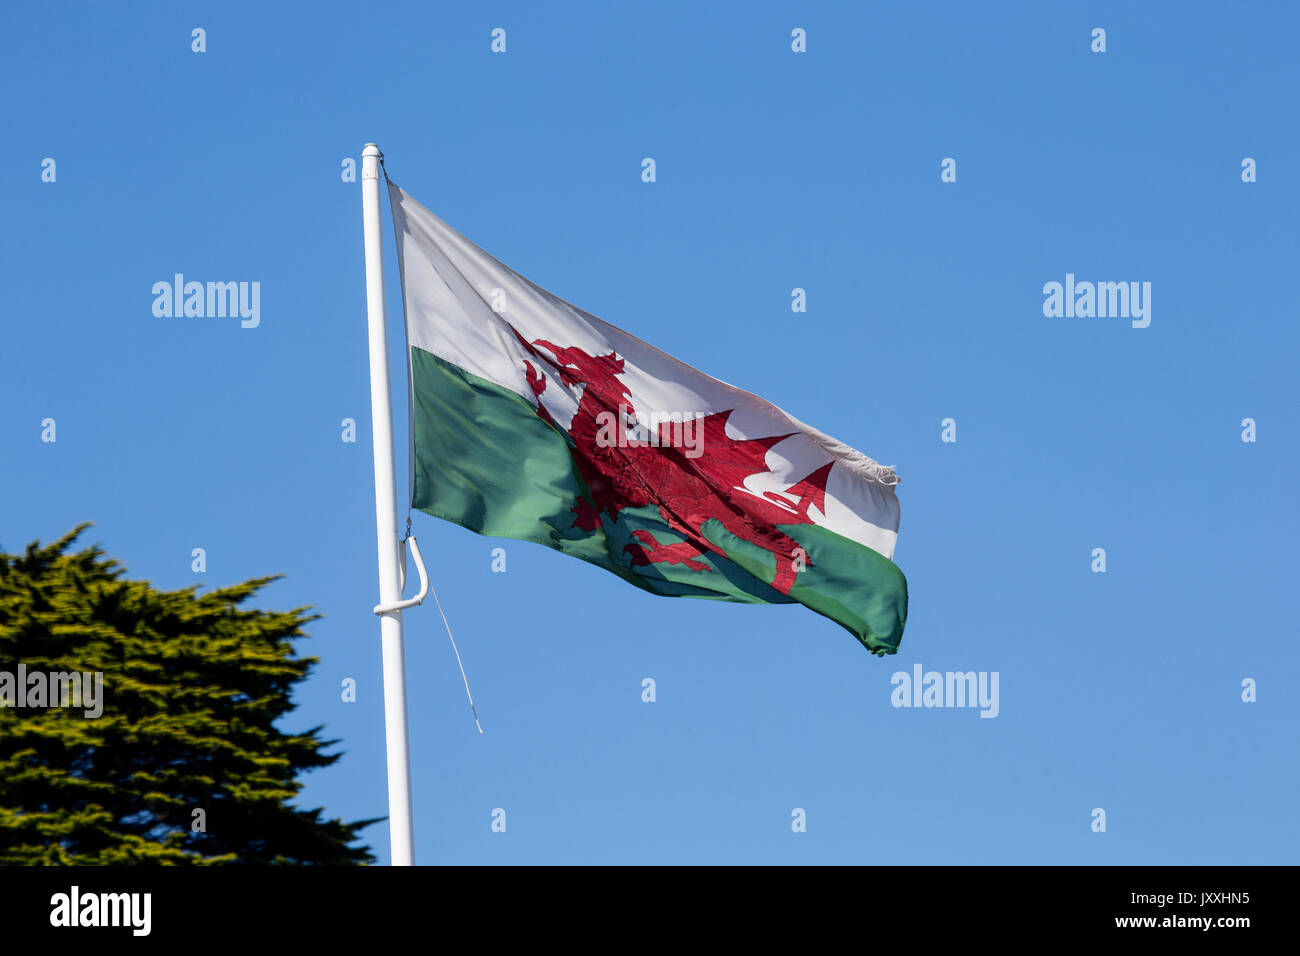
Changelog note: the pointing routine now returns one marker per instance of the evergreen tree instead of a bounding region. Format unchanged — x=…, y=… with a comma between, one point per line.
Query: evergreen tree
x=192, y=688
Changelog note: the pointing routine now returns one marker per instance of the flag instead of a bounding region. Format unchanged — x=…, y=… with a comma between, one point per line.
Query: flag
x=532, y=419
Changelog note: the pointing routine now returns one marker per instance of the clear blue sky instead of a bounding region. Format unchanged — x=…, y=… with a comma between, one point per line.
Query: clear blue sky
x=775, y=170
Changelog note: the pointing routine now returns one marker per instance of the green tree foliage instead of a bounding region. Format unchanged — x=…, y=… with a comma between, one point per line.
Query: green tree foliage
x=192, y=688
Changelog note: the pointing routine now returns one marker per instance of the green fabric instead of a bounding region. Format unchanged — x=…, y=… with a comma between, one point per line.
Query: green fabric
x=485, y=460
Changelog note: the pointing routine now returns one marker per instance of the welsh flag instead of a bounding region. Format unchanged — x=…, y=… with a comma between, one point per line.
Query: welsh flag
x=532, y=419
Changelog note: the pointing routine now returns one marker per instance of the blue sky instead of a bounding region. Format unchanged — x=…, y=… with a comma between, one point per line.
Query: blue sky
x=775, y=170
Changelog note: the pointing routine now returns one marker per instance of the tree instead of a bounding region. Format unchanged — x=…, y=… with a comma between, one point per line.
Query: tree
x=192, y=688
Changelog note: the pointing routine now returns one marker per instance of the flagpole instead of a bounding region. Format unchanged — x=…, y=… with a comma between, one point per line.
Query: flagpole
x=401, y=844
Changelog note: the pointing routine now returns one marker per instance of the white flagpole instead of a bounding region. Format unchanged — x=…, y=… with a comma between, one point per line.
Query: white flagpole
x=401, y=844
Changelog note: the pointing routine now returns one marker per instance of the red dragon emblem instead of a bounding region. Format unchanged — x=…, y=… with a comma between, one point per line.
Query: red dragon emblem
x=687, y=491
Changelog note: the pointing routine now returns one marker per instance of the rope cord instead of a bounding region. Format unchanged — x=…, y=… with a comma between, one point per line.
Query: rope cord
x=473, y=709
